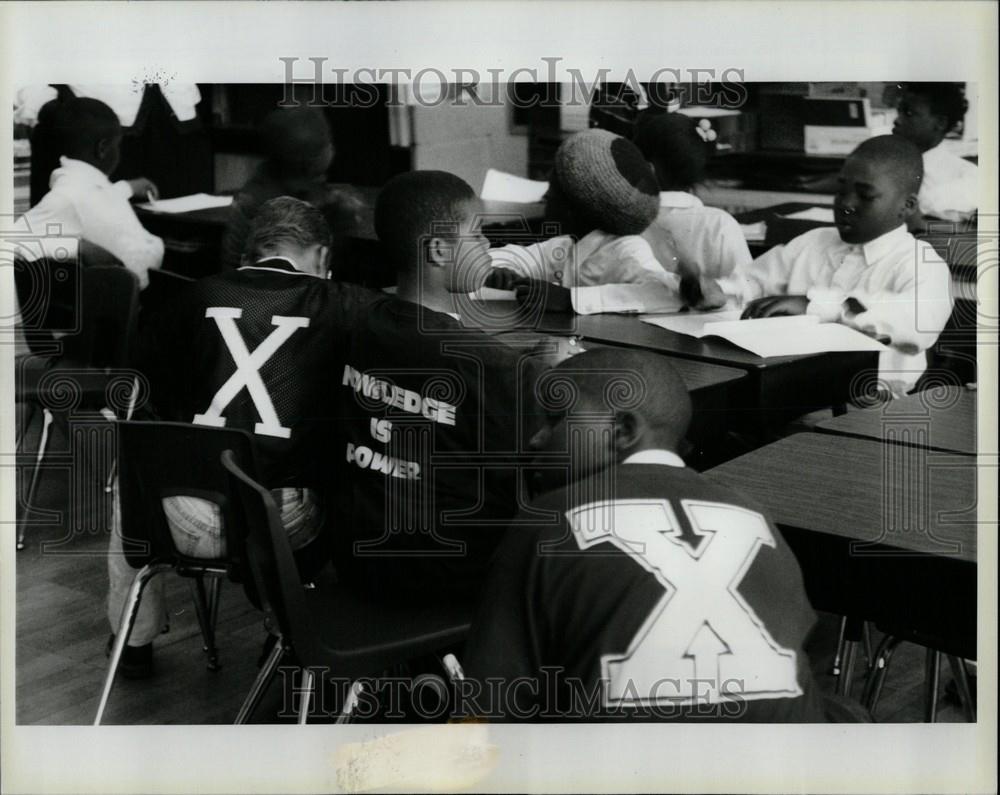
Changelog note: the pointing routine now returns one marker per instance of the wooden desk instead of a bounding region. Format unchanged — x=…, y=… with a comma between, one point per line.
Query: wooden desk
x=941, y=419
x=776, y=389
x=883, y=532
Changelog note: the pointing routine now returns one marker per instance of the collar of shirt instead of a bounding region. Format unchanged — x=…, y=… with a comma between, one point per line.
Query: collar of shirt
x=875, y=249
x=280, y=264
x=665, y=458
x=79, y=170
x=679, y=199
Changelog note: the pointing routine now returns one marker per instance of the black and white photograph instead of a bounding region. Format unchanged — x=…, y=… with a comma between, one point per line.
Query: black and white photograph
x=486, y=397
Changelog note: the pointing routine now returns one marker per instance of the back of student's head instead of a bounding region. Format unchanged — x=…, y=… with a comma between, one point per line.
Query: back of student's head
x=86, y=129
x=636, y=381
x=670, y=141
x=414, y=205
x=895, y=156
x=284, y=226
x=297, y=142
x=605, y=183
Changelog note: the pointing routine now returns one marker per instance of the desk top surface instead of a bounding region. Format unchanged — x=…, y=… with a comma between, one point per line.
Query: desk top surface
x=897, y=497
x=942, y=418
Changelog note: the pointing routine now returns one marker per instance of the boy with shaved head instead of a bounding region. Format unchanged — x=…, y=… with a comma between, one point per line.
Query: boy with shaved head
x=634, y=588
x=868, y=271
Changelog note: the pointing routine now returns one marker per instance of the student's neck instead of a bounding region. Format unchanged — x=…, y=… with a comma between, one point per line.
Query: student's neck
x=427, y=295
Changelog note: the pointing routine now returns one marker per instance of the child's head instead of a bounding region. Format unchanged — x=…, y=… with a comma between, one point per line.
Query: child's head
x=601, y=181
x=287, y=227
x=877, y=188
x=929, y=111
x=88, y=130
x=620, y=402
x=670, y=142
x=428, y=223
x=298, y=145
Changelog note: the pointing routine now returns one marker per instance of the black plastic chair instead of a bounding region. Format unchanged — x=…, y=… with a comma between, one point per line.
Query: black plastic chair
x=166, y=459
x=333, y=631
x=83, y=368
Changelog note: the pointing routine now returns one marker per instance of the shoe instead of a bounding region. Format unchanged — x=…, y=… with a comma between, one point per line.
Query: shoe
x=136, y=661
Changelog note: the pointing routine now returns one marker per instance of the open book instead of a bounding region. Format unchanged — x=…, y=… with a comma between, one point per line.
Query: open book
x=773, y=336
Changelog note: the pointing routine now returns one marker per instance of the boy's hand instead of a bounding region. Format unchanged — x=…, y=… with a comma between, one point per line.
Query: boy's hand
x=776, y=306
x=142, y=187
x=553, y=297
x=504, y=279
x=701, y=293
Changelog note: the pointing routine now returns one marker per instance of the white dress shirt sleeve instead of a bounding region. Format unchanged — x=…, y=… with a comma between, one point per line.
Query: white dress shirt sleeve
x=54, y=226
x=637, y=283
x=544, y=260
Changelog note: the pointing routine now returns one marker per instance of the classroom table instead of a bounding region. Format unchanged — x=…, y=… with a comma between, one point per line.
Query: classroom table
x=940, y=418
x=776, y=389
x=884, y=533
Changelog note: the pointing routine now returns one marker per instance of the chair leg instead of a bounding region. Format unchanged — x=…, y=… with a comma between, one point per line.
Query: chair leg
x=866, y=638
x=308, y=682
x=43, y=444
x=879, y=669
x=847, y=671
x=962, y=685
x=839, y=653
x=453, y=668
x=260, y=684
x=203, y=610
x=350, y=703
x=933, y=668
x=129, y=612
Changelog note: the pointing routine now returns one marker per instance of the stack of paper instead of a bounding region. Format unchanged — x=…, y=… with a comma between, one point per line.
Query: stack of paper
x=822, y=215
x=754, y=233
x=797, y=335
x=501, y=186
x=492, y=294
x=186, y=204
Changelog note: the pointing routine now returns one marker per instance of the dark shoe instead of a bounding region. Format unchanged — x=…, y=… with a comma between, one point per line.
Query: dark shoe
x=136, y=661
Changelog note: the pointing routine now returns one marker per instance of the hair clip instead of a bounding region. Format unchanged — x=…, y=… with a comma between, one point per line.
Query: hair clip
x=704, y=129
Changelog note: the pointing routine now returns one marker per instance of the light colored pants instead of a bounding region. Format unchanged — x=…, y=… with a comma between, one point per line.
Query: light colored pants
x=195, y=526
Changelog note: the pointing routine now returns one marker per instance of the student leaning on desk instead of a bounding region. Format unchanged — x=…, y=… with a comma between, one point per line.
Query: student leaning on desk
x=868, y=271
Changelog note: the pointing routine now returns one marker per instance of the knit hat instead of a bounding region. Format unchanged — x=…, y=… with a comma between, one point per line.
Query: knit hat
x=607, y=182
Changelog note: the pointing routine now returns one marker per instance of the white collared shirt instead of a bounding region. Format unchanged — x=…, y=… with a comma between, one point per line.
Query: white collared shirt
x=83, y=203
x=707, y=238
x=903, y=283
x=657, y=455
x=950, y=188
x=604, y=272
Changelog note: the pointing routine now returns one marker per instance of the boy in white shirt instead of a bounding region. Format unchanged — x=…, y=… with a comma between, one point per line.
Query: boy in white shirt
x=868, y=271
x=83, y=203
x=604, y=196
x=706, y=239
x=927, y=112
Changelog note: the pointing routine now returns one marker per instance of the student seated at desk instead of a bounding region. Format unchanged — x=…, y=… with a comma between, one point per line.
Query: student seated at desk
x=927, y=112
x=642, y=591
x=868, y=271
x=83, y=203
x=707, y=239
x=299, y=150
x=603, y=195
x=422, y=400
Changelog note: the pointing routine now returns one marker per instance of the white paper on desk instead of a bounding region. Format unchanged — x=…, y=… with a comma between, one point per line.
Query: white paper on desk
x=754, y=233
x=821, y=214
x=186, y=204
x=501, y=186
x=690, y=323
x=797, y=335
x=492, y=294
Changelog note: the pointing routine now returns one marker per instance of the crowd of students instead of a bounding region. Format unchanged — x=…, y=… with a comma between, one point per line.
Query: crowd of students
x=429, y=460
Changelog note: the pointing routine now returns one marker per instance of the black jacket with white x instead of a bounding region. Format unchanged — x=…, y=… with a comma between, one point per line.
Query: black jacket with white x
x=257, y=348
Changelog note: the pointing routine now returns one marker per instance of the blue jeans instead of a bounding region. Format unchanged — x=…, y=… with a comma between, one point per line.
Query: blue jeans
x=195, y=526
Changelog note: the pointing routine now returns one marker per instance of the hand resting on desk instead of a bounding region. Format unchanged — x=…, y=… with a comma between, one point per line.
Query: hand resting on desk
x=775, y=306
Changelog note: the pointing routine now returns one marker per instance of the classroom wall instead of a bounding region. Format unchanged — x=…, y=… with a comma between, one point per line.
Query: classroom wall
x=467, y=141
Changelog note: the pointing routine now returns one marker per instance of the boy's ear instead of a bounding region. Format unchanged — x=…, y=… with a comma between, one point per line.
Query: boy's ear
x=439, y=251
x=628, y=430
x=103, y=148
x=909, y=206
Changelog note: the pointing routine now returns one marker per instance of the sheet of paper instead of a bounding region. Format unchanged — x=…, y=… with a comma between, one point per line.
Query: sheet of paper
x=690, y=323
x=492, y=294
x=186, y=204
x=821, y=214
x=791, y=336
x=501, y=186
x=754, y=233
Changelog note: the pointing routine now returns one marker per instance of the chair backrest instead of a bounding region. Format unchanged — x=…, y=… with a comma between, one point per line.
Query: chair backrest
x=49, y=297
x=109, y=303
x=168, y=459
x=270, y=560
